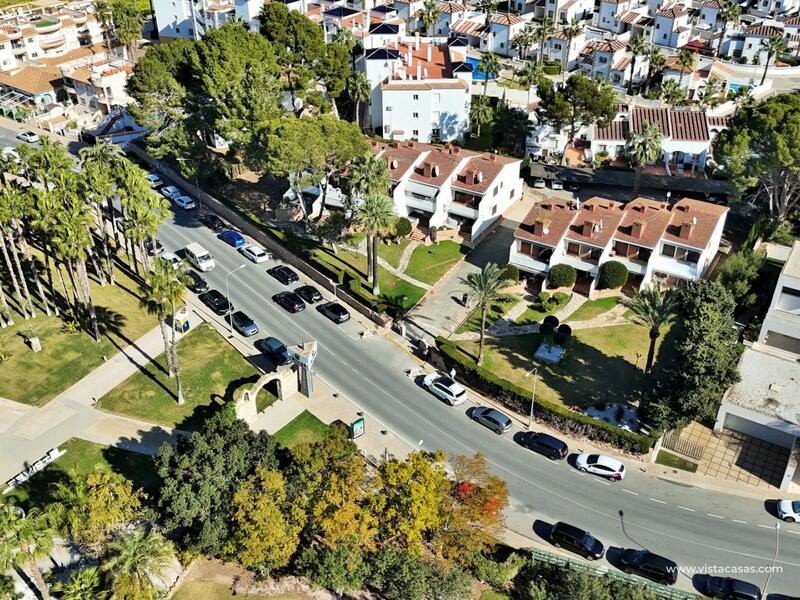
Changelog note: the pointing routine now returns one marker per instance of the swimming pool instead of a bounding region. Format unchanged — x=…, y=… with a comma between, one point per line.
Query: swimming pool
x=477, y=75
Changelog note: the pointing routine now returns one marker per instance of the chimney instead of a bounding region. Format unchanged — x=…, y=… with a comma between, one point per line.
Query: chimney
x=446, y=146
x=540, y=227
x=393, y=164
x=426, y=169
x=591, y=207
x=430, y=52
x=492, y=158
x=682, y=207
x=435, y=170
x=686, y=228
x=479, y=177
x=588, y=227
x=637, y=228
x=410, y=143
x=470, y=178
x=456, y=150
x=395, y=145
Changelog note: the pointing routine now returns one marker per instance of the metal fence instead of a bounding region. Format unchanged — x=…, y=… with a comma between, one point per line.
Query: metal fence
x=662, y=591
x=673, y=441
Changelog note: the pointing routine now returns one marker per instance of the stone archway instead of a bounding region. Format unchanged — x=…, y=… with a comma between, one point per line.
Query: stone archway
x=283, y=384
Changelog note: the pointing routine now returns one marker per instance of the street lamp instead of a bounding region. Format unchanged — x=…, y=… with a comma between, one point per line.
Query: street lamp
x=228, y=295
x=535, y=372
x=775, y=559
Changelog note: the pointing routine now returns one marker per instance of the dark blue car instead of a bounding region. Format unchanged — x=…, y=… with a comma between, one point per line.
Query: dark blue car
x=232, y=238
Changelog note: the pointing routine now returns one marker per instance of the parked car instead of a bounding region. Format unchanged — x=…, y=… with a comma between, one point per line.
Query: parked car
x=309, y=293
x=232, y=238
x=729, y=588
x=577, y=540
x=152, y=246
x=557, y=184
x=198, y=285
x=539, y=182
x=553, y=448
x=789, y=510
x=602, y=465
x=445, y=388
x=275, y=350
x=154, y=180
x=255, y=253
x=574, y=188
x=185, y=202
x=170, y=191
x=335, y=312
x=172, y=259
x=28, y=136
x=290, y=301
x=216, y=301
x=649, y=565
x=212, y=221
x=242, y=323
x=492, y=418
x=284, y=274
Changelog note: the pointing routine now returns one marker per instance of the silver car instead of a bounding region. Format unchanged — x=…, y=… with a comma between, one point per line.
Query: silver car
x=492, y=418
x=170, y=192
x=602, y=465
x=445, y=388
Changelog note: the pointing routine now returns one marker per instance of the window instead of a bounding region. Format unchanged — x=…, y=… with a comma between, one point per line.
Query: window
x=658, y=25
x=435, y=133
x=415, y=97
x=501, y=185
x=415, y=115
x=749, y=46
x=34, y=54
x=525, y=248
x=191, y=31
x=435, y=98
x=415, y=132
x=494, y=191
x=573, y=249
x=435, y=116
x=668, y=250
x=494, y=210
x=602, y=60
x=557, y=46
x=502, y=45
x=387, y=129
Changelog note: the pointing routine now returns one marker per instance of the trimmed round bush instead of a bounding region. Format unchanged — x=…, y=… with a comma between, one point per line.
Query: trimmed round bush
x=546, y=329
x=565, y=329
x=562, y=276
x=560, y=298
x=512, y=273
x=613, y=275
x=402, y=227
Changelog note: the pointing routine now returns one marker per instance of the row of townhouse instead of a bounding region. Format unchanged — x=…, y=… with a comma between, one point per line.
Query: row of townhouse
x=192, y=18
x=656, y=243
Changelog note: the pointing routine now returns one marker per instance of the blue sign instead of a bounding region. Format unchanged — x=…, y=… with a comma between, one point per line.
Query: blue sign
x=357, y=428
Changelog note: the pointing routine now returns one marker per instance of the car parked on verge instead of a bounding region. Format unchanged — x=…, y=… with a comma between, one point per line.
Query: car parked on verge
x=728, y=588
x=309, y=293
x=185, y=202
x=212, y=221
x=172, y=259
x=170, y=191
x=197, y=284
x=255, y=253
x=290, y=301
x=492, y=418
x=335, y=312
x=600, y=464
x=232, y=238
x=216, y=301
x=577, y=540
x=539, y=183
x=242, y=323
x=154, y=180
x=445, y=388
x=649, y=565
x=28, y=136
x=789, y=510
x=284, y=274
x=275, y=350
x=551, y=447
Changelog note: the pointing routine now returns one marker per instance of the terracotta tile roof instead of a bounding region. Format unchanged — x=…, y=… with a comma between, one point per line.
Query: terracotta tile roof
x=612, y=46
x=793, y=21
x=642, y=116
x=399, y=156
x=32, y=80
x=506, y=20
x=632, y=17
x=689, y=125
x=451, y=7
x=82, y=75
x=596, y=222
x=567, y=5
x=712, y=4
x=437, y=165
x=72, y=55
x=672, y=12
x=469, y=28
x=693, y=222
x=616, y=131
x=684, y=125
x=643, y=222
x=622, y=64
x=761, y=30
x=436, y=67
x=718, y=121
x=479, y=173
x=547, y=222
x=455, y=84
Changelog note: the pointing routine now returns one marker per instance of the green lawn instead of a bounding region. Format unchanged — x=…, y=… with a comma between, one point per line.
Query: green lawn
x=36, y=378
x=391, y=253
x=193, y=590
x=481, y=142
x=83, y=456
x=492, y=595
x=430, y=263
x=600, y=364
x=513, y=84
x=305, y=428
x=496, y=311
x=265, y=399
x=676, y=462
x=212, y=372
x=533, y=316
x=593, y=308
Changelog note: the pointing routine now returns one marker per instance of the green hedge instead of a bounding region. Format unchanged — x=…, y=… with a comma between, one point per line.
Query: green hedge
x=562, y=275
x=519, y=400
x=551, y=67
x=613, y=275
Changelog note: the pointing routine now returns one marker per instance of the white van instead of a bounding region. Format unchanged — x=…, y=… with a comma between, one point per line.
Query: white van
x=199, y=257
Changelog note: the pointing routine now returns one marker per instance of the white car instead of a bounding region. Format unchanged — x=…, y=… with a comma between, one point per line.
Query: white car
x=170, y=191
x=255, y=253
x=789, y=510
x=28, y=136
x=599, y=464
x=539, y=182
x=172, y=259
x=185, y=202
x=155, y=180
x=445, y=388
x=557, y=184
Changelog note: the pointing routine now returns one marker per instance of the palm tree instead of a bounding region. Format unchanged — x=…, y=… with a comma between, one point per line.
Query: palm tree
x=377, y=215
x=12, y=261
x=489, y=65
x=672, y=93
x=128, y=23
x=530, y=75
x=772, y=47
x=428, y=15
x=709, y=95
x=163, y=289
x=637, y=46
x=524, y=40
x=655, y=63
x=23, y=541
x=643, y=148
x=486, y=287
x=652, y=309
x=368, y=176
x=686, y=62
x=547, y=27
x=480, y=112
x=729, y=12
x=358, y=90
x=81, y=585
x=487, y=6
x=569, y=32
x=133, y=561
x=743, y=96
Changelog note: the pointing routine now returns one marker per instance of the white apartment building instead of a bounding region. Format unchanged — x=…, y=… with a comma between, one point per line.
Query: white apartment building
x=609, y=16
x=609, y=60
x=192, y=18
x=671, y=28
x=754, y=37
x=564, y=11
x=566, y=52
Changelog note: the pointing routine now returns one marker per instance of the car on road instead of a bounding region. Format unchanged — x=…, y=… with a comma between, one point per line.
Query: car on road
x=212, y=221
x=309, y=293
x=789, y=510
x=232, y=238
x=557, y=184
x=170, y=192
x=492, y=418
x=275, y=350
x=600, y=464
x=28, y=136
x=216, y=301
x=577, y=540
x=728, y=588
x=539, y=182
x=172, y=259
x=445, y=388
x=255, y=253
x=152, y=246
x=649, y=565
x=284, y=274
x=551, y=447
x=154, y=180
x=185, y=202
x=290, y=301
x=199, y=257
x=242, y=323
x=335, y=312
x=197, y=284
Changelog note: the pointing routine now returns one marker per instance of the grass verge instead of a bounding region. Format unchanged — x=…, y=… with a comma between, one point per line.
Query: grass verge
x=495, y=311
x=429, y=264
x=676, y=462
x=305, y=428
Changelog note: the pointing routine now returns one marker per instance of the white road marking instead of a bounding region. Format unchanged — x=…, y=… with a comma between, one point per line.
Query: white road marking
x=713, y=516
x=794, y=532
x=766, y=526
x=601, y=482
x=738, y=521
x=655, y=500
x=685, y=508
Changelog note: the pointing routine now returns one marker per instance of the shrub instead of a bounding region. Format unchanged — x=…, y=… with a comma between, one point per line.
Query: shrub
x=497, y=574
x=562, y=276
x=402, y=227
x=512, y=273
x=543, y=300
x=613, y=275
x=560, y=299
x=550, y=321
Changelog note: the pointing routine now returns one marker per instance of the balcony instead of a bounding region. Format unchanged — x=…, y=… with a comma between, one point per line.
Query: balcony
x=527, y=262
x=419, y=203
x=463, y=210
x=46, y=25
x=50, y=44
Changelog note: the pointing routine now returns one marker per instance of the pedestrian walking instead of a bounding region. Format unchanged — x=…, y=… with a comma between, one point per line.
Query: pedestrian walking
x=453, y=374
x=464, y=298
